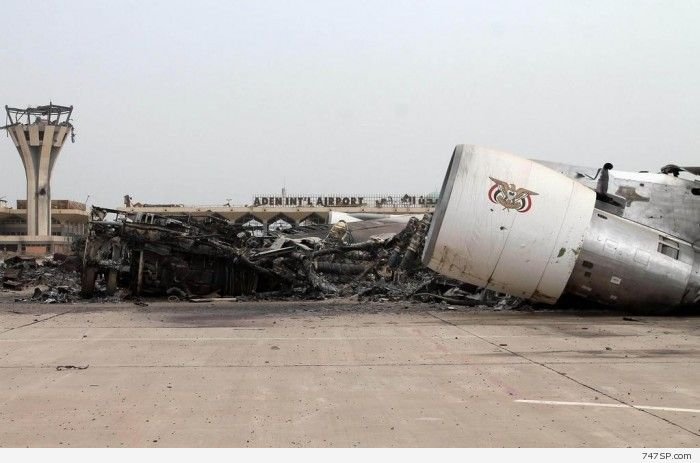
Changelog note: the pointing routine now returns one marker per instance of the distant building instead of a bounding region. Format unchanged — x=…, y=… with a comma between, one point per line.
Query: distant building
x=68, y=220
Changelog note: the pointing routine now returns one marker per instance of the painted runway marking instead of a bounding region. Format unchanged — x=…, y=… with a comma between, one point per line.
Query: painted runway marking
x=594, y=404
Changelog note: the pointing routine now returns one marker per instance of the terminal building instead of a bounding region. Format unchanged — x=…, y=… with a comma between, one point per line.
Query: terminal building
x=69, y=220
x=272, y=212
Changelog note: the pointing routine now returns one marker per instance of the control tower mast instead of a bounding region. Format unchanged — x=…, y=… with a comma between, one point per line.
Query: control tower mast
x=38, y=134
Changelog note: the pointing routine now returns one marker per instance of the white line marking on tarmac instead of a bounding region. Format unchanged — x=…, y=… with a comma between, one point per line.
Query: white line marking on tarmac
x=594, y=404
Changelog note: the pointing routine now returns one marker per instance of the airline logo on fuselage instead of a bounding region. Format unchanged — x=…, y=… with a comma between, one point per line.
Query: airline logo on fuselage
x=510, y=197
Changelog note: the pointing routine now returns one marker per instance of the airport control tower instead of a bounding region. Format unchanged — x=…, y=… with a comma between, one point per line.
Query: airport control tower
x=39, y=134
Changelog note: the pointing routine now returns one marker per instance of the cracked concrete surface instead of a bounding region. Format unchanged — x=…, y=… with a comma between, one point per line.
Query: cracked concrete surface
x=343, y=374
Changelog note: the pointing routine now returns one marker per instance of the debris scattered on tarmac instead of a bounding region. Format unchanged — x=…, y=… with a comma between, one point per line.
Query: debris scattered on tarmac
x=203, y=258
x=71, y=367
x=210, y=259
x=55, y=279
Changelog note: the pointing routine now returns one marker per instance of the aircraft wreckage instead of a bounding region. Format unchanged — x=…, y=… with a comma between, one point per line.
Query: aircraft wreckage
x=504, y=224
x=206, y=256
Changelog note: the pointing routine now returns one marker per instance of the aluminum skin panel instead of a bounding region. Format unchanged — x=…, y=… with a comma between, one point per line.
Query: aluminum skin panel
x=508, y=224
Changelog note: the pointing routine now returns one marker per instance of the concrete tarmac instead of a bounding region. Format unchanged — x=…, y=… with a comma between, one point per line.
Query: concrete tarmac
x=344, y=374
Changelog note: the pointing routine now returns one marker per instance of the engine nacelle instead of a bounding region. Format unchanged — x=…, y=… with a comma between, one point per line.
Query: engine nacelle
x=508, y=224
x=518, y=227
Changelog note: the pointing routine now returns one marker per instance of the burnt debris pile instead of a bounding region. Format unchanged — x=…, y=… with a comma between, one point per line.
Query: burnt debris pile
x=58, y=275
x=196, y=257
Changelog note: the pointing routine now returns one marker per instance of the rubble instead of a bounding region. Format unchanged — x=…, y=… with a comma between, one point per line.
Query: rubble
x=58, y=275
x=204, y=257
x=71, y=367
x=207, y=258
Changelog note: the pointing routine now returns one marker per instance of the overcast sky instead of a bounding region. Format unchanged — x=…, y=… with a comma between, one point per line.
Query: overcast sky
x=195, y=102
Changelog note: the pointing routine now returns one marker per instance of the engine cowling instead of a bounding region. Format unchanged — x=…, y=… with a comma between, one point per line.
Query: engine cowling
x=508, y=224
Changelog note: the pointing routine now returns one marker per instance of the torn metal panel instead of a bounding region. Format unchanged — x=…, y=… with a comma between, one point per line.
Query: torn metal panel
x=190, y=257
x=151, y=254
x=537, y=229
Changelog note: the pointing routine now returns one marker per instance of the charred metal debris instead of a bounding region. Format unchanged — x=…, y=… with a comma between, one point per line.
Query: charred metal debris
x=55, y=278
x=208, y=256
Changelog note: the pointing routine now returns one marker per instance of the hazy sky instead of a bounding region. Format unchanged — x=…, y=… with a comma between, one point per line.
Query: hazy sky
x=196, y=102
